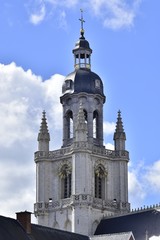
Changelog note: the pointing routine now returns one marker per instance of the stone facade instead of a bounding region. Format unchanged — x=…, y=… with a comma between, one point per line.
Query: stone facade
x=82, y=182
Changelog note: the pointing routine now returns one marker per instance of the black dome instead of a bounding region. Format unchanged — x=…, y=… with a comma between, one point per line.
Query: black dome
x=82, y=43
x=84, y=80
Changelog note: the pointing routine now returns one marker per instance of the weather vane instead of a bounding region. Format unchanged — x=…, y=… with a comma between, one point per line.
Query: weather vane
x=81, y=20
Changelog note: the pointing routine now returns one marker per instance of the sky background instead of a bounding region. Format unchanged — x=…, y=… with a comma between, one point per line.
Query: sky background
x=36, y=42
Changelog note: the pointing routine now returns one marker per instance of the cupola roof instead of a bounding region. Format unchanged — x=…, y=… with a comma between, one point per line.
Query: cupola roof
x=82, y=79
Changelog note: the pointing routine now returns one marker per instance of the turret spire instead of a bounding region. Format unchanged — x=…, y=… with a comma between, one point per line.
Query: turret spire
x=119, y=135
x=43, y=136
x=119, y=125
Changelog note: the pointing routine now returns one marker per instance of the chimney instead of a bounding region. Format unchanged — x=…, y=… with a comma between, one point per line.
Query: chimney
x=24, y=219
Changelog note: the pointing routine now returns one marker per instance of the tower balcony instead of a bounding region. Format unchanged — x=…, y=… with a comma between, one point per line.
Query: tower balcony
x=81, y=146
x=111, y=206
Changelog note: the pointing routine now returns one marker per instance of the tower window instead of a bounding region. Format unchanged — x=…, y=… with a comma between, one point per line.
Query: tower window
x=85, y=115
x=97, y=83
x=100, y=182
x=68, y=84
x=95, y=124
x=69, y=119
x=66, y=181
x=67, y=186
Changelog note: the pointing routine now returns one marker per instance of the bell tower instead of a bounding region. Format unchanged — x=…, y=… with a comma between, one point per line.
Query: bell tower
x=80, y=183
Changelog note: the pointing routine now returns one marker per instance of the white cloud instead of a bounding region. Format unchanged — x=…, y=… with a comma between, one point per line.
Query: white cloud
x=136, y=190
x=142, y=178
x=109, y=146
x=109, y=128
x=152, y=176
x=114, y=14
x=23, y=98
x=38, y=16
x=62, y=20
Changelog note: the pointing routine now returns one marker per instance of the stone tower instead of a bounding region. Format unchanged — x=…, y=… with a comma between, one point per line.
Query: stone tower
x=80, y=183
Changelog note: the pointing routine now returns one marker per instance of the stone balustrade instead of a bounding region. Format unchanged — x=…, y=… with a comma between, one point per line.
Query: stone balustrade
x=81, y=199
x=83, y=146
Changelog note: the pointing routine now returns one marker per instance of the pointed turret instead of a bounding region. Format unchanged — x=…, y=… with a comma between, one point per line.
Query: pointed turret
x=43, y=136
x=119, y=135
x=81, y=126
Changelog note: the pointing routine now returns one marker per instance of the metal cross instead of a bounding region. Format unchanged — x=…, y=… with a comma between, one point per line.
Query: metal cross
x=81, y=19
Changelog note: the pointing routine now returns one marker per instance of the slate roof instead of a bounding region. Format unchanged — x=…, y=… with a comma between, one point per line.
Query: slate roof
x=40, y=233
x=114, y=236
x=141, y=223
x=11, y=229
x=84, y=81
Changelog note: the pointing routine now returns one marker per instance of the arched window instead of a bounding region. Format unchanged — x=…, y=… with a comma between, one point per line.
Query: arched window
x=69, y=118
x=100, y=175
x=95, y=124
x=85, y=115
x=66, y=181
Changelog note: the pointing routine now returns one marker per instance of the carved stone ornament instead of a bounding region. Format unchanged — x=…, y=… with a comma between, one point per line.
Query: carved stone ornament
x=65, y=169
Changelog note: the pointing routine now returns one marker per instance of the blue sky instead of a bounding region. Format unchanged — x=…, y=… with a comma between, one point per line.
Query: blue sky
x=37, y=38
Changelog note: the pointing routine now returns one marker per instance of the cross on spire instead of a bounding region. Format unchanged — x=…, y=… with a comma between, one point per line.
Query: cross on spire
x=82, y=21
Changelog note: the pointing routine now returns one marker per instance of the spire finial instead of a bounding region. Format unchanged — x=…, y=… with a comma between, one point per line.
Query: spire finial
x=82, y=21
x=43, y=132
x=119, y=126
x=119, y=135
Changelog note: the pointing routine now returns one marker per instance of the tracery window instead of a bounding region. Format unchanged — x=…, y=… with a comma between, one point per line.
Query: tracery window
x=66, y=181
x=100, y=175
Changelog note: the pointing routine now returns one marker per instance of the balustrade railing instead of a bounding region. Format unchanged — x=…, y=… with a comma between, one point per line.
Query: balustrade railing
x=84, y=146
x=81, y=199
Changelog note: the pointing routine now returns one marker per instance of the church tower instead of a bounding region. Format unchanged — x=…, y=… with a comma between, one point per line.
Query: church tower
x=80, y=183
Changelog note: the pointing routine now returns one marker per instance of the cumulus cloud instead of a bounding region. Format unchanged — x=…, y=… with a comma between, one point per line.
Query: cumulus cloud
x=23, y=98
x=109, y=146
x=136, y=189
x=114, y=14
x=109, y=128
x=39, y=15
x=152, y=176
x=142, y=178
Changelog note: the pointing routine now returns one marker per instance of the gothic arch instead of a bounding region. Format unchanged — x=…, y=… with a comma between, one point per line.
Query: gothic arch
x=85, y=115
x=65, y=173
x=100, y=175
x=69, y=122
x=95, y=124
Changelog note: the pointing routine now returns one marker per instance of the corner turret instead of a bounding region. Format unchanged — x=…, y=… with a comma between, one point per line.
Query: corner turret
x=43, y=136
x=119, y=135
